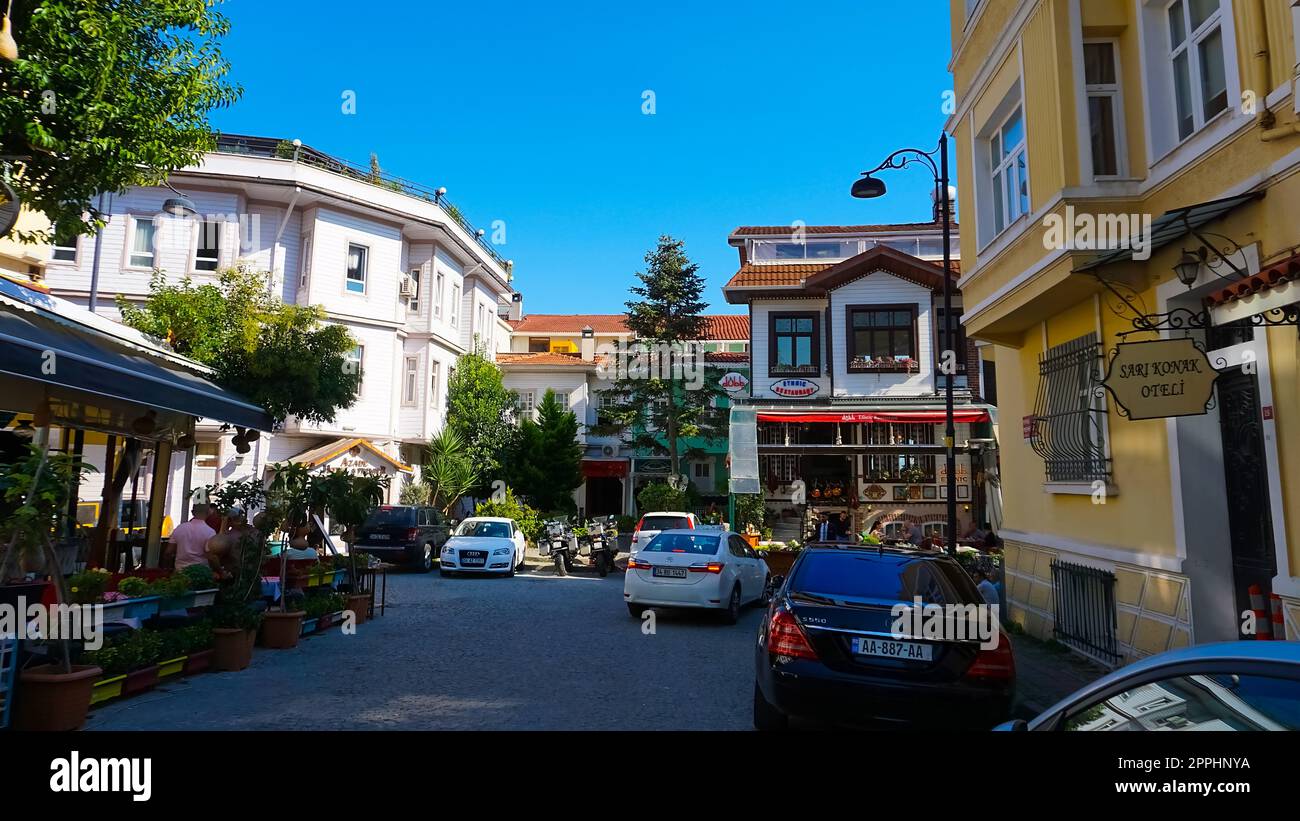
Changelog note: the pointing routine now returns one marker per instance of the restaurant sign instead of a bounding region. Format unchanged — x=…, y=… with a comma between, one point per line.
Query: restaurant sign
x=795, y=388
x=733, y=381
x=1161, y=379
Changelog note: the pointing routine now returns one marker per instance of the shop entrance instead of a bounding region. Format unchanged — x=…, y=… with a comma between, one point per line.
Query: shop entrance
x=1250, y=521
x=604, y=496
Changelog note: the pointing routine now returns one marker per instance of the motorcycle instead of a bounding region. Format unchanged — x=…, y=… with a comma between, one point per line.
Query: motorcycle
x=596, y=542
x=561, y=545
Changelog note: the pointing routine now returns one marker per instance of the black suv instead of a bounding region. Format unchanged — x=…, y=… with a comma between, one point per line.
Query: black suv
x=404, y=534
x=831, y=646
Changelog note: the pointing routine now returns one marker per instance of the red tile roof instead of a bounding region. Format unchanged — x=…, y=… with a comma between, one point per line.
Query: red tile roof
x=552, y=359
x=717, y=326
x=726, y=356
x=794, y=274
x=1282, y=272
x=787, y=230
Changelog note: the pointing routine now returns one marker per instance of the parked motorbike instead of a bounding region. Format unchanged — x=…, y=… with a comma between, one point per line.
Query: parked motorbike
x=596, y=542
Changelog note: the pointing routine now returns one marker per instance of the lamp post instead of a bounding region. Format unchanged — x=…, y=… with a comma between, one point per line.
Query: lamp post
x=869, y=187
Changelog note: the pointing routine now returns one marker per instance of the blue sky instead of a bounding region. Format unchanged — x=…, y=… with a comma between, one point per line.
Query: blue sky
x=532, y=113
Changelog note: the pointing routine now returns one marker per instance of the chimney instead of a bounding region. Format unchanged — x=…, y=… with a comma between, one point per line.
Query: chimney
x=588, y=348
x=937, y=205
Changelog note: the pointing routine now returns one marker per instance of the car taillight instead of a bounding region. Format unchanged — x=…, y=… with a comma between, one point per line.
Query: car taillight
x=786, y=638
x=711, y=567
x=633, y=564
x=994, y=664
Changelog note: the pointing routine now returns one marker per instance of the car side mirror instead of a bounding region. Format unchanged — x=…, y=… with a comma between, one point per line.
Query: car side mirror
x=1018, y=725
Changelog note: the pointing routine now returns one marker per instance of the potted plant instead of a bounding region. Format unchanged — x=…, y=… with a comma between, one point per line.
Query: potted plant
x=233, y=633
x=349, y=499
x=34, y=494
x=198, y=647
x=281, y=628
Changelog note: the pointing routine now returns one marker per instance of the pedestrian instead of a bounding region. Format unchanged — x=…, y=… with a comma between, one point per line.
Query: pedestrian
x=825, y=530
x=188, y=541
x=987, y=589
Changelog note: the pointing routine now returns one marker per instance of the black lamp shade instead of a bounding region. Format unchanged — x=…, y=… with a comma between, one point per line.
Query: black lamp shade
x=1188, y=268
x=868, y=188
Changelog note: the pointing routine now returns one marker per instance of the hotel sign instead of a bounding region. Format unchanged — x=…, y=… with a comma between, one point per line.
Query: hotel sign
x=1161, y=379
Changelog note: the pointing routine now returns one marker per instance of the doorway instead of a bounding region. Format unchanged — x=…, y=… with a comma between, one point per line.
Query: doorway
x=1250, y=522
x=604, y=496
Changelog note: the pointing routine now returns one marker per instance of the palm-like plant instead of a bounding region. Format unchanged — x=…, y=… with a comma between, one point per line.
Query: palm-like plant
x=448, y=470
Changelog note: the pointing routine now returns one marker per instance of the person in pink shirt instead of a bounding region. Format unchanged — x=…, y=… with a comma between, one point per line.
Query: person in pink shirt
x=189, y=539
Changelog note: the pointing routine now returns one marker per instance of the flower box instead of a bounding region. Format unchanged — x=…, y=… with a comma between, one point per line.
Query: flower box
x=138, y=681
x=195, y=598
x=171, y=667
x=199, y=662
x=141, y=608
x=106, y=688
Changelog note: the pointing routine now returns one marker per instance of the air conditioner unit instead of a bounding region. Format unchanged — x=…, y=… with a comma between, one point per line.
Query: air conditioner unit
x=406, y=288
x=608, y=450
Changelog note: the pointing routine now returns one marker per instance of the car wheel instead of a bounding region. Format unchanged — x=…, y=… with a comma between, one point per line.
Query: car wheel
x=765, y=598
x=732, y=614
x=426, y=560
x=636, y=610
x=523, y=561
x=766, y=717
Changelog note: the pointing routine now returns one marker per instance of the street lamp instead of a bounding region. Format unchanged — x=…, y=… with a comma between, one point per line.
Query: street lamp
x=869, y=187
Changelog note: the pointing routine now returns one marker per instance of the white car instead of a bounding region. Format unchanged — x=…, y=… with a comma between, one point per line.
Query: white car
x=483, y=544
x=654, y=523
x=709, y=569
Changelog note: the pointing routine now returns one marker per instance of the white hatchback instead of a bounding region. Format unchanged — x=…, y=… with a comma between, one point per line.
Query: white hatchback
x=483, y=544
x=709, y=569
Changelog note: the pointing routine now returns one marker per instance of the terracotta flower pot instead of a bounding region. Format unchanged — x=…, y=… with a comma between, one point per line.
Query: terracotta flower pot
x=281, y=631
x=359, y=604
x=232, y=648
x=50, y=699
x=198, y=662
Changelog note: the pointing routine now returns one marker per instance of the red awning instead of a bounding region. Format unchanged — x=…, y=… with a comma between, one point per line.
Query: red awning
x=935, y=416
x=604, y=468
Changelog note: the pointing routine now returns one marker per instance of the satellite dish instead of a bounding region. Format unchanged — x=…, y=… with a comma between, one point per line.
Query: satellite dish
x=9, y=208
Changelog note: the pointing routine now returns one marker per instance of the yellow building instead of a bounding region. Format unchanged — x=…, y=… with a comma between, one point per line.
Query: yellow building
x=1170, y=127
x=23, y=261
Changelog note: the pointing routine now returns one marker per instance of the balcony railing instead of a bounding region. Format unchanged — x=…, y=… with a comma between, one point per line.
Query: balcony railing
x=284, y=150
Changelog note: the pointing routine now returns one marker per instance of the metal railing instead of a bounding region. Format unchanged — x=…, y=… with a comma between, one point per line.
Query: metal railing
x=1069, y=431
x=284, y=150
x=1084, y=602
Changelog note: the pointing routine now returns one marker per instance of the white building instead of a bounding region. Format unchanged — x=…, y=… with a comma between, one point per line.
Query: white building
x=396, y=264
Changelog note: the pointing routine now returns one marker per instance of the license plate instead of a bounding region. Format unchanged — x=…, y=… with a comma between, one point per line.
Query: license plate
x=472, y=562
x=908, y=650
x=669, y=572
x=379, y=536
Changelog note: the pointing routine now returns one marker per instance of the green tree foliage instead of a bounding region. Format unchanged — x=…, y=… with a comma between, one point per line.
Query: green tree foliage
x=106, y=95
x=660, y=496
x=281, y=356
x=448, y=471
x=665, y=405
x=481, y=412
x=546, y=466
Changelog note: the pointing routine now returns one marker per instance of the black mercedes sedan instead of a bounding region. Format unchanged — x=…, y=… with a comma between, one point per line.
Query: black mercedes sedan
x=881, y=636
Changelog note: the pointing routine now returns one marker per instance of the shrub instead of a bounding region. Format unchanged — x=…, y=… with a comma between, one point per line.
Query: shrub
x=235, y=615
x=134, y=587
x=200, y=576
x=660, y=496
x=88, y=586
x=750, y=510
x=510, y=507
x=171, y=587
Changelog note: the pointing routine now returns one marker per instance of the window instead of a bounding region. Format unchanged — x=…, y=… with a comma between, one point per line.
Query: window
x=356, y=364
x=1199, y=66
x=356, y=276
x=702, y=470
x=794, y=346
x=1210, y=701
x=881, y=338
x=304, y=265
x=562, y=397
x=433, y=383
x=539, y=344
x=1105, y=109
x=206, y=454
x=527, y=403
x=1069, y=422
x=207, y=250
x=410, y=381
x=142, y=247
x=1009, y=160
x=899, y=467
x=455, y=306
x=438, y=284
x=65, y=247
x=958, y=346
x=413, y=301
x=788, y=249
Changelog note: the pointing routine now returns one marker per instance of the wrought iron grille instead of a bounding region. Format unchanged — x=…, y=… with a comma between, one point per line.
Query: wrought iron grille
x=1069, y=426
x=1084, y=599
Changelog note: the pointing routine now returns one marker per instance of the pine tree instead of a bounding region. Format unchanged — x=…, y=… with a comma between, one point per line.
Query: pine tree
x=669, y=397
x=547, y=466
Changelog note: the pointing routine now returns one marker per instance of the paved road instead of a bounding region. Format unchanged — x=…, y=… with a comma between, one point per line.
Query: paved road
x=532, y=652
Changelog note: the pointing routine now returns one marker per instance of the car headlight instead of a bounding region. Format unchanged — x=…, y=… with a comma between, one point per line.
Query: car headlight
x=446, y=549
x=501, y=551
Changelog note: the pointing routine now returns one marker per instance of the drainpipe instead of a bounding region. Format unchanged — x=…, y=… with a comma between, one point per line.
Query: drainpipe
x=1262, y=75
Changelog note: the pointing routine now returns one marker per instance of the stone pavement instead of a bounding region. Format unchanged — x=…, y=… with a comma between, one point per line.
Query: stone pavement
x=1046, y=673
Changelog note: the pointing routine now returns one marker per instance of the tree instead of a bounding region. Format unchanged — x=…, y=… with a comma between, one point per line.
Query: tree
x=106, y=95
x=281, y=356
x=668, y=397
x=546, y=466
x=448, y=471
x=481, y=412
